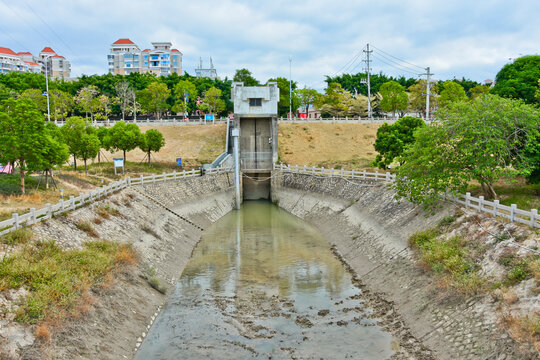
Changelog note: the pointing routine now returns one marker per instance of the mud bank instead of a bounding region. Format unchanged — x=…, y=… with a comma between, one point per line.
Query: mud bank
x=163, y=222
x=369, y=231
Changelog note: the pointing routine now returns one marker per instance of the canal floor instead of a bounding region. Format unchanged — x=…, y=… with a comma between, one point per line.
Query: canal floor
x=264, y=284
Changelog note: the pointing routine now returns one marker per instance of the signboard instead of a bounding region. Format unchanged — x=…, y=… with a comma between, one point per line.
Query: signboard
x=178, y=161
x=209, y=117
x=303, y=116
x=118, y=163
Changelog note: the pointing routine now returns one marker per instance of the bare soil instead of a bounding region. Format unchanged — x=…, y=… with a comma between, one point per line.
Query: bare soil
x=348, y=146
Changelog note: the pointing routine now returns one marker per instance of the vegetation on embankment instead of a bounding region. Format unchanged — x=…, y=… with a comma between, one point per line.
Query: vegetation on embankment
x=475, y=255
x=55, y=281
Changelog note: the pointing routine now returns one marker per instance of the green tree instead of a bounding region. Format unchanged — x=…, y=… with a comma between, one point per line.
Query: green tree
x=122, y=136
x=61, y=103
x=519, y=80
x=72, y=132
x=482, y=140
x=89, y=146
x=151, y=140
x=394, y=97
x=478, y=90
x=306, y=97
x=58, y=152
x=335, y=102
x=451, y=92
x=184, y=91
x=417, y=96
x=285, y=96
x=101, y=133
x=154, y=98
x=393, y=139
x=244, y=75
x=86, y=99
x=23, y=136
x=212, y=102
x=37, y=97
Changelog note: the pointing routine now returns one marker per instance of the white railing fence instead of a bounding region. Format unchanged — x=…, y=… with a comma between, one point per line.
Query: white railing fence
x=511, y=213
x=34, y=216
x=347, y=174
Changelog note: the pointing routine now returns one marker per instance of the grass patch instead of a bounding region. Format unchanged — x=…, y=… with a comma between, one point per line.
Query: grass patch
x=449, y=259
x=105, y=211
x=150, y=275
x=87, y=228
x=19, y=236
x=57, y=278
x=10, y=184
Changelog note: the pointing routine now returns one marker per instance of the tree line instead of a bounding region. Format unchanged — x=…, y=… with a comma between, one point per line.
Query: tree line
x=31, y=143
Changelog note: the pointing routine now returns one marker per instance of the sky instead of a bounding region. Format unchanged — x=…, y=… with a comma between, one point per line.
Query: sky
x=308, y=39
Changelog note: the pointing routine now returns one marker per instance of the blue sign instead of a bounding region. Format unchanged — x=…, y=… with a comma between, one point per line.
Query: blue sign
x=187, y=97
x=209, y=117
x=179, y=161
x=118, y=162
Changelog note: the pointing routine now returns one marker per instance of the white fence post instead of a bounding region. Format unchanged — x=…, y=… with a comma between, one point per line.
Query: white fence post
x=352, y=174
x=534, y=214
x=331, y=172
x=142, y=179
x=481, y=203
x=15, y=217
x=364, y=174
x=33, y=215
x=72, y=200
x=61, y=205
x=512, y=212
x=313, y=170
x=467, y=199
x=153, y=178
x=174, y=174
x=342, y=173
x=387, y=176
x=495, y=207
x=184, y=173
x=49, y=211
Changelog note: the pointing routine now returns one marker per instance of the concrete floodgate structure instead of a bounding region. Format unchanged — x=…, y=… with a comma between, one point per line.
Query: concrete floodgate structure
x=255, y=117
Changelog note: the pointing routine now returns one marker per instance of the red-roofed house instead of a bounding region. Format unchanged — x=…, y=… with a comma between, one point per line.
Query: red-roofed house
x=125, y=57
x=10, y=61
x=57, y=66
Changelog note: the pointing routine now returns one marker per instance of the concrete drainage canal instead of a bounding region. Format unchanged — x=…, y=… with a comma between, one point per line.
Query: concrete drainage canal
x=265, y=284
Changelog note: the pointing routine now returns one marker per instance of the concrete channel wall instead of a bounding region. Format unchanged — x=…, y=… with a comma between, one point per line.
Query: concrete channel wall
x=369, y=231
x=163, y=222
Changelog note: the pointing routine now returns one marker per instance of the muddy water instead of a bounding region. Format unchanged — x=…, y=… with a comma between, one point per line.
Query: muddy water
x=264, y=284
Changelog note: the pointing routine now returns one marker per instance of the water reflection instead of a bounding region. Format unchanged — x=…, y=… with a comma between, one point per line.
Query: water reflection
x=262, y=283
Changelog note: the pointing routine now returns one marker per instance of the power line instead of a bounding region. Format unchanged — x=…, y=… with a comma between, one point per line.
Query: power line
x=50, y=28
x=398, y=64
x=23, y=19
x=394, y=66
x=406, y=62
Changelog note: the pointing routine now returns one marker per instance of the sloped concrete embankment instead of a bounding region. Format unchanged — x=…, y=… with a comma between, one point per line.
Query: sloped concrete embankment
x=369, y=230
x=163, y=222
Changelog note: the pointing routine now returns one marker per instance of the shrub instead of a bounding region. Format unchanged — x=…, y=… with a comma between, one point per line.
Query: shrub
x=446, y=221
x=87, y=228
x=19, y=236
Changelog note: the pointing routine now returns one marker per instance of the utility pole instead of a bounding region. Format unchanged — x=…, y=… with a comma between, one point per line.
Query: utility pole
x=236, y=149
x=368, y=70
x=290, y=87
x=428, y=82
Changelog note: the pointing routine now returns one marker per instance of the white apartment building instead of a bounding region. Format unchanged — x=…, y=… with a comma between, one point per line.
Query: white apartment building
x=126, y=57
x=57, y=66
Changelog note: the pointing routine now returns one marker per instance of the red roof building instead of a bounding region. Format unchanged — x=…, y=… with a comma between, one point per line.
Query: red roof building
x=123, y=42
x=47, y=50
x=7, y=51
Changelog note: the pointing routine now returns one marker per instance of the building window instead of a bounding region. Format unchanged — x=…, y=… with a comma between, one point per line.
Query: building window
x=255, y=102
x=155, y=57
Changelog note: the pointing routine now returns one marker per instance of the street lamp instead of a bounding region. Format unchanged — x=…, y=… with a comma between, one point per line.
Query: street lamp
x=290, y=87
x=47, y=89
